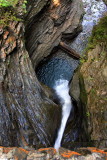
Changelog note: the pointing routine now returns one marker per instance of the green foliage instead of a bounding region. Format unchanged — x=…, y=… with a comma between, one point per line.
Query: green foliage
x=7, y=3
x=24, y=5
x=6, y=17
x=99, y=34
x=88, y=114
x=83, y=59
x=9, y=10
x=93, y=91
x=13, y=3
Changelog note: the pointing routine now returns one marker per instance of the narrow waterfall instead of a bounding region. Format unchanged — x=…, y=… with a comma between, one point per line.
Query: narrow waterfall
x=94, y=10
x=62, y=90
x=57, y=70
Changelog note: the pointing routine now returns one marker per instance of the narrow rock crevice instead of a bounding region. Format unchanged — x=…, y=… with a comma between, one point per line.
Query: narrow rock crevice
x=44, y=35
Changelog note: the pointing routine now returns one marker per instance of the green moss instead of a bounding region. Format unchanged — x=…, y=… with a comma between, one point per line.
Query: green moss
x=83, y=59
x=8, y=16
x=9, y=10
x=83, y=94
x=7, y=3
x=12, y=3
x=88, y=114
x=93, y=92
x=99, y=34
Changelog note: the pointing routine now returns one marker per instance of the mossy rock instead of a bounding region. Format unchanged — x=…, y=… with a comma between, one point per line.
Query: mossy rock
x=99, y=34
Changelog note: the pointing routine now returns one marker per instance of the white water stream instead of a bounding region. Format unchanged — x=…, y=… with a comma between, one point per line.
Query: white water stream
x=62, y=90
x=94, y=10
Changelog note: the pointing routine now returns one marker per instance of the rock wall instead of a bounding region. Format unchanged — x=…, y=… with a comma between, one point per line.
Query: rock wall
x=50, y=153
x=76, y=133
x=34, y=7
x=89, y=86
x=53, y=24
x=50, y=26
x=94, y=73
x=26, y=112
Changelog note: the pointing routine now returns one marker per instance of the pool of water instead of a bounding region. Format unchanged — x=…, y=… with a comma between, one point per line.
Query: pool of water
x=62, y=66
x=57, y=70
x=58, y=66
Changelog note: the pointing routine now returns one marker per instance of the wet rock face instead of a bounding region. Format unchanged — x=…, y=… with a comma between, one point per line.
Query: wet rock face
x=75, y=134
x=92, y=88
x=34, y=7
x=26, y=113
x=94, y=73
x=50, y=153
x=49, y=27
x=53, y=23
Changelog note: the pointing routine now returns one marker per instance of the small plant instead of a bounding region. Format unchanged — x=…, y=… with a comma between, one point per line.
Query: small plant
x=9, y=10
x=8, y=16
x=24, y=4
x=13, y=3
x=83, y=59
x=93, y=59
x=88, y=114
x=93, y=91
x=99, y=34
x=7, y=3
x=90, y=78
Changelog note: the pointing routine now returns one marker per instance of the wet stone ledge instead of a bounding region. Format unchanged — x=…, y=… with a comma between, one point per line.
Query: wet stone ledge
x=89, y=153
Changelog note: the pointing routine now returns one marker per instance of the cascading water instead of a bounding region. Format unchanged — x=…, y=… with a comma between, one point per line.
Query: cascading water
x=94, y=10
x=57, y=71
x=62, y=90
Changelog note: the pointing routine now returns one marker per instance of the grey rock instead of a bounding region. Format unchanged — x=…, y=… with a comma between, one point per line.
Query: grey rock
x=47, y=29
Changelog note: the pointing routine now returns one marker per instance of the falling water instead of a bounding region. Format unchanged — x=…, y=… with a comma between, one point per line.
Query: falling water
x=62, y=90
x=94, y=10
x=57, y=71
